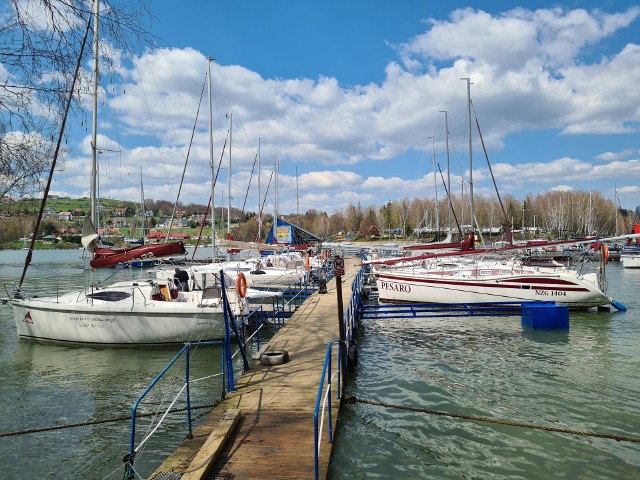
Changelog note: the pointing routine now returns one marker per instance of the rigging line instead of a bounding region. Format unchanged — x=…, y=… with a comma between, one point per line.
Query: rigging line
x=155, y=134
x=186, y=161
x=56, y=152
x=263, y=203
x=453, y=210
x=204, y=219
x=253, y=168
x=618, y=438
x=506, y=220
x=30, y=431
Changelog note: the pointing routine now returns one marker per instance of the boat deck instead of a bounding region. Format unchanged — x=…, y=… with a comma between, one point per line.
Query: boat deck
x=265, y=428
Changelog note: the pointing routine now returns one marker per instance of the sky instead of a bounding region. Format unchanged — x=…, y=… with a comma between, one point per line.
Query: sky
x=348, y=98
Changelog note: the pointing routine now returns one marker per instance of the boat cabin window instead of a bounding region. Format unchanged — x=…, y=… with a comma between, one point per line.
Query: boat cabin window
x=109, y=296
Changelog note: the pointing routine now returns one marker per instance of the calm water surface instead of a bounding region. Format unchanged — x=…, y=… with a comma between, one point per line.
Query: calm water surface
x=44, y=385
x=586, y=379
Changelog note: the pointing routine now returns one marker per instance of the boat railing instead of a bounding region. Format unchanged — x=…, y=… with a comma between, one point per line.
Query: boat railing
x=184, y=390
x=324, y=397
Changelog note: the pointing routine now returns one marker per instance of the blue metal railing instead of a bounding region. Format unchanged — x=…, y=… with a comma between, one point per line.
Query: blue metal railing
x=318, y=415
x=129, y=458
x=351, y=316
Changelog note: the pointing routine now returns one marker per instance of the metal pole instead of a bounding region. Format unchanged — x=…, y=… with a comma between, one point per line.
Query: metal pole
x=94, y=127
x=213, y=178
x=259, y=194
x=435, y=187
x=230, y=117
x=446, y=128
x=473, y=226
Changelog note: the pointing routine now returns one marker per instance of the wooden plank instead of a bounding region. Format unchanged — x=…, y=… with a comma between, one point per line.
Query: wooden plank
x=275, y=433
x=210, y=451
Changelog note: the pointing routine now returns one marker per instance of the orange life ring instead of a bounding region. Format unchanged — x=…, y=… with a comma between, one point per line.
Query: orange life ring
x=241, y=285
x=605, y=254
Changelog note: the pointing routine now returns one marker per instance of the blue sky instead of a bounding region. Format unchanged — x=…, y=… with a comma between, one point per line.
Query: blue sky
x=347, y=95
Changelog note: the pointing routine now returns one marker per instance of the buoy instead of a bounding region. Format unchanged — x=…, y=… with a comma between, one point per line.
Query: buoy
x=618, y=306
x=241, y=285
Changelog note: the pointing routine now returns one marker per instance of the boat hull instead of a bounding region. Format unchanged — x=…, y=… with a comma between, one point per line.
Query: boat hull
x=135, y=320
x=410, y=287
x=630, y=261
x=107, y=257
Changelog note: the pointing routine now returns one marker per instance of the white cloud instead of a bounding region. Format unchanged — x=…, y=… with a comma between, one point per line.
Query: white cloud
x=611, y=156
x=528, y=69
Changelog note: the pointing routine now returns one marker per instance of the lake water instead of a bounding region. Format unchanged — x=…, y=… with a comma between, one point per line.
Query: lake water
x=586, y=379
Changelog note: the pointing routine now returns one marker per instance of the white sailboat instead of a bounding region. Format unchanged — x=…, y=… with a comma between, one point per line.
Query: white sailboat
x=473, y=277
x=143, y=312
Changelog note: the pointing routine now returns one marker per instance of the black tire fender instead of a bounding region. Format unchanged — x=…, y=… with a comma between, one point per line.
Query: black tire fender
x=274, y=357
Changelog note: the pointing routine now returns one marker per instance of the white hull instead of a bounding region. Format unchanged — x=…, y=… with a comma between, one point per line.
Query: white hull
x=630, y=261
x=136, y=319
x=416, y=286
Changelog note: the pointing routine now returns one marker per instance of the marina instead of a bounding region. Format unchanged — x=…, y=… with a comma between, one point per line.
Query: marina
x=582, y=379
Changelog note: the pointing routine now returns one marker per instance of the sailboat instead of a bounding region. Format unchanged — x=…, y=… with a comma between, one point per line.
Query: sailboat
x=103, y=257
x=483, y=276
x=142, y=312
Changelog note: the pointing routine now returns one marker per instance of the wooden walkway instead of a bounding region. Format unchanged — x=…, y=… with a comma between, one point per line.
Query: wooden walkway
x=265, y=428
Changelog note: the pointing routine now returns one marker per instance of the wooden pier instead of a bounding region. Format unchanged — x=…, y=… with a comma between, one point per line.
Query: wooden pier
x=265, y=428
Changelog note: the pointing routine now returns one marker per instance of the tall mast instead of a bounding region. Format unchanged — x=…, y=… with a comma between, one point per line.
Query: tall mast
x=143, y=210
x=435, y=186
x=230, y=117
x=615, y=207
x=259, y=193
x=297, y=199
x=213, y=177
x=275, y=205
x=94, y=118
x=473, y=216
x=446, y=135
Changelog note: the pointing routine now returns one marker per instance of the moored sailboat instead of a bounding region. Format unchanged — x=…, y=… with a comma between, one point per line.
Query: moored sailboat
x=143, y=312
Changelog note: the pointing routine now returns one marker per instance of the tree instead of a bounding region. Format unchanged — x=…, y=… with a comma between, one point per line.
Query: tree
x=39, y=47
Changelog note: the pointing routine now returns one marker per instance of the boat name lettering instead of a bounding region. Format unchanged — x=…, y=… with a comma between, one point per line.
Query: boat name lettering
x=87, y=318
x=551, y=293
x=396, y=287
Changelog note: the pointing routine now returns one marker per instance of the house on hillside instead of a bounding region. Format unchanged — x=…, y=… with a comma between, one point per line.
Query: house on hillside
x=49, y=212
x=65, y=216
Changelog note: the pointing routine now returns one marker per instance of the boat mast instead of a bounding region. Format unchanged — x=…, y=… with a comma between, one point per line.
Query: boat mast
x=94, y=118
x=213, y=179
x=435, y=185
x=473, y=216
x=446, y=134
x=275, y=205
x=230, y=117
x=259, y=192
x=143, y=210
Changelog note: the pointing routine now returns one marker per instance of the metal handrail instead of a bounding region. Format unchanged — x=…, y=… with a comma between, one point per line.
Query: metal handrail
x=129, y=458
x=326, y=405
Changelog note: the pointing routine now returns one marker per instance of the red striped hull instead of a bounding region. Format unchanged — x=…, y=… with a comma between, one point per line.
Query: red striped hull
x=109, y=257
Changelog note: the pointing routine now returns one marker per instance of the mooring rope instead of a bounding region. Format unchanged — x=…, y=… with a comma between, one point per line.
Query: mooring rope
x=94, y=422
x=352, y=399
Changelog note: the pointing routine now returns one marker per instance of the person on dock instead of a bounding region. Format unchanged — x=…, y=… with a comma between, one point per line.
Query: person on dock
x=181, y=279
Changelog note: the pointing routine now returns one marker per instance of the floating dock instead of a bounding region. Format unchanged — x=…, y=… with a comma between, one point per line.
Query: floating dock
x=265, y=428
